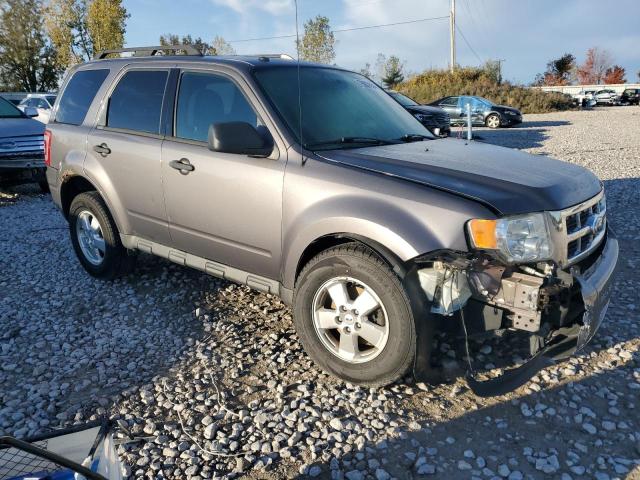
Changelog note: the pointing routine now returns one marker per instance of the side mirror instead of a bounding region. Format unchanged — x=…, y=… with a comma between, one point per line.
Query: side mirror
x=31, y=112
x=238, y=137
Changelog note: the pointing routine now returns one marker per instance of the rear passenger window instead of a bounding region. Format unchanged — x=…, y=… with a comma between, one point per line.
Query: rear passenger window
x=204, y=99
x=78, y=95
x=136, y=102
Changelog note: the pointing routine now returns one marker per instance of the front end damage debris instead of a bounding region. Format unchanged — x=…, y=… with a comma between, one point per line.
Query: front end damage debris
x=560, y=310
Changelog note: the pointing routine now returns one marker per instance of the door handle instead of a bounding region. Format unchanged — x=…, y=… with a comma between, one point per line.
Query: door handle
x=102, y=149
x=183, y=165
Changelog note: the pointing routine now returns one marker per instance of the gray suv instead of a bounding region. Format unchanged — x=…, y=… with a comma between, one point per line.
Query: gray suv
x=310, y=182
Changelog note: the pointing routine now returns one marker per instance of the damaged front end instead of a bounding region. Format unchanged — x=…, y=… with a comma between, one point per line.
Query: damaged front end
x=559, y=305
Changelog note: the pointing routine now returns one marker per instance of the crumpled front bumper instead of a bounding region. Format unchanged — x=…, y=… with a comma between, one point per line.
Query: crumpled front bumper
x=596, y=288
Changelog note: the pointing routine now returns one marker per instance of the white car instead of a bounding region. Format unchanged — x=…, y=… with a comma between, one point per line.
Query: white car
x=606, y=97
x=585, y=98
x=42, y=102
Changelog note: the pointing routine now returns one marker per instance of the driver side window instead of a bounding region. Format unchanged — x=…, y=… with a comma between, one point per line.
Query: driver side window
x=204, y=99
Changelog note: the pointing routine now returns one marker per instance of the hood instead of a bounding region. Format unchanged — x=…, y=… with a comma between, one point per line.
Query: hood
x=505, y=107
x=508, y=181
x=19, y=127
x=426, y=109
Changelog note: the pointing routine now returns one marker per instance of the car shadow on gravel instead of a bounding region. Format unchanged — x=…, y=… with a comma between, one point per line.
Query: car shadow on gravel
x=513, y=137
x=578, y=423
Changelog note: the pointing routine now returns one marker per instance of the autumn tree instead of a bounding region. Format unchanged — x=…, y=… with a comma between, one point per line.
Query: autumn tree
x=615, y=74
x=27, y=58
x=318, y=42
x=593, y=69
x=393, y=72
x=81, y=28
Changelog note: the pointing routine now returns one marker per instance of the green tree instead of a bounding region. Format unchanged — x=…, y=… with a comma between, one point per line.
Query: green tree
x=81, y=28
x=173, y=39
x=318, y=42
x=393, y=72
x=27, y=59
x=494, y=70
x=558, y=71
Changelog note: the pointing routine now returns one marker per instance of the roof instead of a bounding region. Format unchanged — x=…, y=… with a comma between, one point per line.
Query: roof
x=235, y=61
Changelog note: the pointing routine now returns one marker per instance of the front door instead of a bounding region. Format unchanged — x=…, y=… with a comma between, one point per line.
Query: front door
x=227, y=207
x=124, y=152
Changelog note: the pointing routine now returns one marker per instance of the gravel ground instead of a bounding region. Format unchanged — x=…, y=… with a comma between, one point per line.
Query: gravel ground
x=206, y=379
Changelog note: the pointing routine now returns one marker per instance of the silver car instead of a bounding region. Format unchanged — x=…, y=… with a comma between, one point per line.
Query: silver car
x=310, y=182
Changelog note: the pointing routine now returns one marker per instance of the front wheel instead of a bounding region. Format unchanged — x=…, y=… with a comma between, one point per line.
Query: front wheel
x=353, y=316
x=493, y=121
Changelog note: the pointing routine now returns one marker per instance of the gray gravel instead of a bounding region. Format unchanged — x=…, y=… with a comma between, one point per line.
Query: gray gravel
x=206, y=379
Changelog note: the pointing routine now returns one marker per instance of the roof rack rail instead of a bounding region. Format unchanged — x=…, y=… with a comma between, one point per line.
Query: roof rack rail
x=266, y=56
x=188, y=49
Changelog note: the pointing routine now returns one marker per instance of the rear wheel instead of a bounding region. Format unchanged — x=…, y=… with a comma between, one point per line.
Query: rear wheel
x=95, y=238
x=493, y=121
x=354, y=317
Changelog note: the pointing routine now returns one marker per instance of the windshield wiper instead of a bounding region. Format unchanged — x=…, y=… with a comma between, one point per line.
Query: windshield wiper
x=349, y=140
x=414, y=137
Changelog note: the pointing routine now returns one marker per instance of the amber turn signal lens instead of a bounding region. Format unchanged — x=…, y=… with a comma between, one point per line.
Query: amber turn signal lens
x=483, y=233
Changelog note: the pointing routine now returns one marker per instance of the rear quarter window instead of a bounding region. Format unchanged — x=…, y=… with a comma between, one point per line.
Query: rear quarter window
x=78, y=95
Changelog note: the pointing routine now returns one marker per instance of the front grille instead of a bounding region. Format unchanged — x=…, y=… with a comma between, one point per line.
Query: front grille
x=581, y=229
x=18, y=145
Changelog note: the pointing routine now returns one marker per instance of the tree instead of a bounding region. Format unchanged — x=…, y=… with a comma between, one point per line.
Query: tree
x=615, y=74
x=27, y=59
x=366, y=71
x=173, y=39
x=493, y=70
x=318, y=42
x=558, y=71
x=393, y=72
x=220, y=46
x=594, y=67
x=81, y=28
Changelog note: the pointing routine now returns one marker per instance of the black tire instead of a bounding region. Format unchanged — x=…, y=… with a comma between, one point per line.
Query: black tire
x=116, y=260
x=361, y=263
x=493, y=116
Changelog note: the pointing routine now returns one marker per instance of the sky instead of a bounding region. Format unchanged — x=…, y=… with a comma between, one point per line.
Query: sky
x=526, y=34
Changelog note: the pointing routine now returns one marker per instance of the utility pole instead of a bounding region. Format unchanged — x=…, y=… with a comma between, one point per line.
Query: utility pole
x=452, y=33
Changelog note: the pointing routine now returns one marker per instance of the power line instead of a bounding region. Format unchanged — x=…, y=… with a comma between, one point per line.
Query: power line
x=340, y=30
x=468, y=44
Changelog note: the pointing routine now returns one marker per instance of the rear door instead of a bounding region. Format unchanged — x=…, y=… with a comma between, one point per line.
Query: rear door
x=229, y=207
x=124, y=150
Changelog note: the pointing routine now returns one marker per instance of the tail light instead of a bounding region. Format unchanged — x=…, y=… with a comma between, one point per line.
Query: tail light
x=47, y=148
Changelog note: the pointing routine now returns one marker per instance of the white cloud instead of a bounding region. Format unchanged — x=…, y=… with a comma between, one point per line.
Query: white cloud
x=274, y=7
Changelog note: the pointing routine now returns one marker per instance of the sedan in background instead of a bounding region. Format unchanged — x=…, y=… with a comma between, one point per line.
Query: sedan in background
x=21, y=146
x=483, y=112
x=435, y=119
x=42, y=102
x=630, y=96
x=606, y=97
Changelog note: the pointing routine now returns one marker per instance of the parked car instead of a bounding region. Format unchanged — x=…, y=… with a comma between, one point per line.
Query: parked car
x=584, y=98
x=434, y=118
x=483, y=111
x=21, y=146
x=335, y=198
x=606, y=97
x=630, y=96
x=13, y=97
x=42, y=102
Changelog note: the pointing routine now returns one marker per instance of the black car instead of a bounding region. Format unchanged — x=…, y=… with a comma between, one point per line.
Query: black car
x=434, y=118
x=483, y=111
x=630, y=96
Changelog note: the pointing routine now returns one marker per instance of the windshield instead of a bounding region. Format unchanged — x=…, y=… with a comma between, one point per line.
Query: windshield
x=484, y=100
x=7, y=110
x=336, y=105
x=403, y=99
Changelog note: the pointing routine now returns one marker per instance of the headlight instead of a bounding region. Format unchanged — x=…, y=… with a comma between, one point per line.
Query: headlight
x=517, y=239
